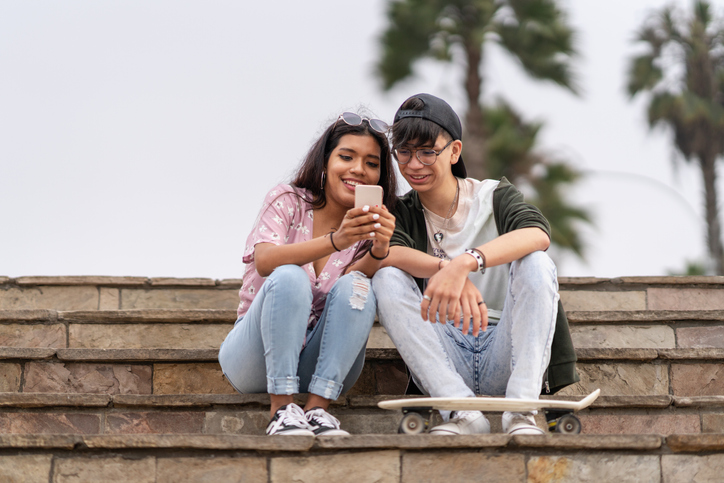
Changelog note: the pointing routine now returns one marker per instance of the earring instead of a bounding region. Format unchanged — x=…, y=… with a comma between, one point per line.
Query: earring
x=324, y=175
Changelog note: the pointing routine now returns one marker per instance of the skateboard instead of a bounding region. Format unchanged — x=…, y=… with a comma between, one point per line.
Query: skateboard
x=417, y=412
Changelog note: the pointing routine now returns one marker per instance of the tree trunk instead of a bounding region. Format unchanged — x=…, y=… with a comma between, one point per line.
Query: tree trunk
x=474, y=141
x=713, y=235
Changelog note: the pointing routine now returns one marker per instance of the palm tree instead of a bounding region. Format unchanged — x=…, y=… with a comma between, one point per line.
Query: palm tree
x=511, y=152
x=532, y=31
x=683, y=69
x=498, y=142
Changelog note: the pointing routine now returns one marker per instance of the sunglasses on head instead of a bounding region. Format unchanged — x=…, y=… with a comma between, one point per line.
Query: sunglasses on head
x=355, y=120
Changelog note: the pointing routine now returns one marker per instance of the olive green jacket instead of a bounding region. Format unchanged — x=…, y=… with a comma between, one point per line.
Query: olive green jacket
x=511, y=213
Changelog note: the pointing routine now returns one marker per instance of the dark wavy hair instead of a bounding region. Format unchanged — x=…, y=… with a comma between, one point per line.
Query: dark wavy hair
x=309, y=174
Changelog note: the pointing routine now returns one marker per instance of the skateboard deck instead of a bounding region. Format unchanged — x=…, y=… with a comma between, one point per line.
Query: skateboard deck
x=485, y=403
x=559, y=414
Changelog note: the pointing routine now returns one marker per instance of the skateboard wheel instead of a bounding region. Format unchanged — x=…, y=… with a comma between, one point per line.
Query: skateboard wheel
x=568, y=424
x=412, y=423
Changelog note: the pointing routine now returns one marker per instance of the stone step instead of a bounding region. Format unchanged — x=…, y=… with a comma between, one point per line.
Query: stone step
x=26, y=413
x=380, y=458
x=617, y=372
x=207, y=328
x=114, y=293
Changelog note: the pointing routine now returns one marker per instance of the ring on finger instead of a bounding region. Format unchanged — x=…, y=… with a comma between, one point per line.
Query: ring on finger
x=482, y=302
x=427, y=297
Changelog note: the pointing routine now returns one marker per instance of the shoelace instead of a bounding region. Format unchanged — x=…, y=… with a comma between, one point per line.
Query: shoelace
x=522, y=418
x=293, y=414
x=323, y=418
x=464, y=415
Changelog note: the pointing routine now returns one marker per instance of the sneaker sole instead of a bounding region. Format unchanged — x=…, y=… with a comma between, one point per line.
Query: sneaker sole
x=293, y=432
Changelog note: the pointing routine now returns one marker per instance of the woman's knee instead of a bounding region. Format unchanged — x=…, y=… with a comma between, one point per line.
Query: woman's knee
x=289, y=274
x=357, y=288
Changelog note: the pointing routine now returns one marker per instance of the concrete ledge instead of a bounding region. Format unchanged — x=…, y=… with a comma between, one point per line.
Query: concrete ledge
x=138, y=355
x=189, y=400
x=149, y=315
x=652, y=316
x=40, y=400
x=26, y=353
x=596, y=442
x=204, y=441
x=28, y=315
x=403, y=441
x=685, y=443
x=40, y=441
x=699, y=402
x=182, y=282
x=80, y=280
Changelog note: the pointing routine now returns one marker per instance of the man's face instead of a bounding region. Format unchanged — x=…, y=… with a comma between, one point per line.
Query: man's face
x=423, y=178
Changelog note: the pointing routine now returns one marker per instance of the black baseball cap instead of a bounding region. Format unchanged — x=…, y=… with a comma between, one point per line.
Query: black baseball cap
x=439, y=112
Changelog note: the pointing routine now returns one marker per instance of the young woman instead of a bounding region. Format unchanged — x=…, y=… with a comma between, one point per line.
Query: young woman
x=306, y=305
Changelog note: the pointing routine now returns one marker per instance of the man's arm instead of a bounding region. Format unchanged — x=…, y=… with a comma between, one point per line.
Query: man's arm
x=445, y=289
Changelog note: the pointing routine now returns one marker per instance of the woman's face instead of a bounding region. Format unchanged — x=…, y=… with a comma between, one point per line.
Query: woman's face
x=355, y=160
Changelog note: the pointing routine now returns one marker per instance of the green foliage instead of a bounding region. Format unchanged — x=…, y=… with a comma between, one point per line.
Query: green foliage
x=512, y=153
x=692, y=268
x=533, y=31
x=536, y=34
x=683, y=70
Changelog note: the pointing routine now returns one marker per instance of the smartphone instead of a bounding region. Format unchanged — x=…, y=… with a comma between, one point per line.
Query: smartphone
x=367, y=194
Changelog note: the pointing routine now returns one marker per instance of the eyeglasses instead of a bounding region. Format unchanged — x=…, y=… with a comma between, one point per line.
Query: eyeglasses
x=426, y=156
x=355, y=120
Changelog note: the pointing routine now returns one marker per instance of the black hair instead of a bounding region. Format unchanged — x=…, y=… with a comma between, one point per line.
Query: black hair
x=309, y=174
x=415, y=131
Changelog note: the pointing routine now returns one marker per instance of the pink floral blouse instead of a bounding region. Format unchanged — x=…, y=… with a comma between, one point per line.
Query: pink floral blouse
x=286, y=218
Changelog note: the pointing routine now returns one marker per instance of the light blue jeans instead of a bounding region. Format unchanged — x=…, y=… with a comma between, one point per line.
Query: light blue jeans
x=265, y=351
x=509, y=358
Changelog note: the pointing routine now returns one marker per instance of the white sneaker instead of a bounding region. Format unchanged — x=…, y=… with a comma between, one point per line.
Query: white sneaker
x=290, y=420
x=323, y=423
x=520, y=423
x=464, y=422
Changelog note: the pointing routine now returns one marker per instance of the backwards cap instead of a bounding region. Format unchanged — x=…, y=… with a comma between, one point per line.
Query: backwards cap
x=439, y=112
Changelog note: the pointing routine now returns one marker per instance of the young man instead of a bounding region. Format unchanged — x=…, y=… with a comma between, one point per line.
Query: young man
x=468, y=295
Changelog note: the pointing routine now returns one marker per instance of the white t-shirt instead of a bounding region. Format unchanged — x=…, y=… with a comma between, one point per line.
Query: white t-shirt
x=472, y=225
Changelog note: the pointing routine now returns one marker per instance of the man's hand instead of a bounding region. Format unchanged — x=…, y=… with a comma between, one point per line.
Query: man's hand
x=474, y=308
x=443, y=296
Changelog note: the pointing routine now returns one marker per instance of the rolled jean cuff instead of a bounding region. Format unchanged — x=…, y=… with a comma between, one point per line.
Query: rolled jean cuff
x=282, y=385
x=324, y=388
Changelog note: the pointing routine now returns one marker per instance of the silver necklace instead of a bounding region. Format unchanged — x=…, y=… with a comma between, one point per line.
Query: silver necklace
x=439, y=235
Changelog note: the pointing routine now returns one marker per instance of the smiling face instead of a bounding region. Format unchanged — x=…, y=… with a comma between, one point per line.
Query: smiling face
x=429, y=178
x=355, y=161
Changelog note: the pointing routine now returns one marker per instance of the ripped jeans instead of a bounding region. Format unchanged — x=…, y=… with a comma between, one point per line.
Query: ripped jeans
x=509, y=358
x=265, y=351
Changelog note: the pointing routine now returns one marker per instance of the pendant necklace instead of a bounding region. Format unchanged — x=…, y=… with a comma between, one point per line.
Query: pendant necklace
x=439, y=235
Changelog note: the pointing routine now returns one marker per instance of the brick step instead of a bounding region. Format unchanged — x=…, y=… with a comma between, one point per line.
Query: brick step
x=114, y=293
x=618, y=372
x=383, y=458
x=26, y=413
x=206, y=329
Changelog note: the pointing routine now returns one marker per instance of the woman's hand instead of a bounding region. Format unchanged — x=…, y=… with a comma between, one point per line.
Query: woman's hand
x=384, y=228
x=366, y=223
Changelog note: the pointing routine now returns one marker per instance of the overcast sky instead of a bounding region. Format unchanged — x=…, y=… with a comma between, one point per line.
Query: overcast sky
x=139, y=137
